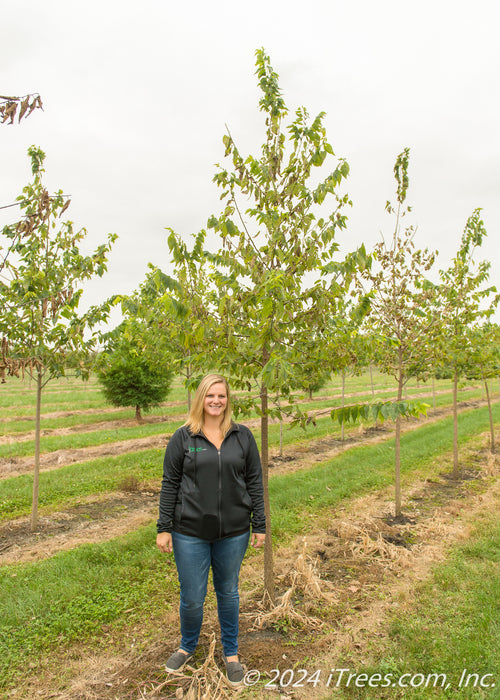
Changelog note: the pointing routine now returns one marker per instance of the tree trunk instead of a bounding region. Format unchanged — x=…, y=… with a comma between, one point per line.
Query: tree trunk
x=397, y=468
x=281, y=426
x=138, y=414
x=343, y=404
x=492, y=427
x=36, y=475
x=456, y=468
x=397, y=453
x=433, y=394
x=268, y=545
x=188, y=376
x=373, y=392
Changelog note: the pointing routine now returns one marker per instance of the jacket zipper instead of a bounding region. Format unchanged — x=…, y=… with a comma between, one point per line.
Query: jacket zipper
x=220, y=494
x=219, y=504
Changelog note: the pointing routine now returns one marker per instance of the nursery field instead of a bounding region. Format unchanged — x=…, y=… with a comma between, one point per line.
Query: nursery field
x=370, y=606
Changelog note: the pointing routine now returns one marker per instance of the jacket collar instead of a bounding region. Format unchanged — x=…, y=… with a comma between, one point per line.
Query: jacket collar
x=234, y=428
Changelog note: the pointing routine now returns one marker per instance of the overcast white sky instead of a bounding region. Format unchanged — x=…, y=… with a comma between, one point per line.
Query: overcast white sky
x=137, y=94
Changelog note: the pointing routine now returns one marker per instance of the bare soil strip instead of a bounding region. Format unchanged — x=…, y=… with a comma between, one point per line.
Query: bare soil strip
x=13, y=438
x=93, y=520
x=369, y=563
x=61, y=458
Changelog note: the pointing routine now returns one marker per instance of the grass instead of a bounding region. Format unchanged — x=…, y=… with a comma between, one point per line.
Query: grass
x=95, y=436
x=63, y=394
x=58, y=488
x=87, y=439
x=452, y=625
x=290, y=493
x=26, y=424
x=296, y=496
x=70, y=596
x=18, y=427
x=50, y=603
x=60, y=395
x=24, y=399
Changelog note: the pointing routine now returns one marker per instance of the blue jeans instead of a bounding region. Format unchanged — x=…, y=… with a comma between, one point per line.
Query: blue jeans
x=193, y=558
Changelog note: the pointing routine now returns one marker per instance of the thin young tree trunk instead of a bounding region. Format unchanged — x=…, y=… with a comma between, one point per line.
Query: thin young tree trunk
x=373, y=392
x=188, y=376
x=268, y=545
x=456, y=468
x=397, y=470
x=492, y=427
x=36, y=475
x=343, y=404
x=433, y=394
x=397, y=452
x=281, y=427
x=138, y=414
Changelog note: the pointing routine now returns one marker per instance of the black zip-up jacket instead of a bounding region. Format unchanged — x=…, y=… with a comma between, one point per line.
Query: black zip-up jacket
x=210, y=493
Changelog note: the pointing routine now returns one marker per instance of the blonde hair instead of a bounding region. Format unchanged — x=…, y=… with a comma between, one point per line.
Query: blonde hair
x=196, y=414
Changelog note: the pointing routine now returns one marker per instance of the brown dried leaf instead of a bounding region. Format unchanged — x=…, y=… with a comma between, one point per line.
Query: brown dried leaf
x=10, y=111
x=33, y=106
x=24, y=106
x=65, y=207
x=36, y=104
x=45, y=199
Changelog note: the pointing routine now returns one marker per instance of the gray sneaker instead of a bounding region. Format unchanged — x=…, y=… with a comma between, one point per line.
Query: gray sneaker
x=234, y=672
x=177, y=661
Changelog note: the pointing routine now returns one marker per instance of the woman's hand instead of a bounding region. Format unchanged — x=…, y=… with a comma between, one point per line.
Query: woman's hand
x=164, y=542
x=258, y=539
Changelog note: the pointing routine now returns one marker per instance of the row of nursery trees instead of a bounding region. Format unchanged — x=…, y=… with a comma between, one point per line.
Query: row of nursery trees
x=272, y=303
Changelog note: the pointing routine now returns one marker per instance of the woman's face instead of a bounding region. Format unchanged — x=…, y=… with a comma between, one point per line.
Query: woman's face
x=215, y=401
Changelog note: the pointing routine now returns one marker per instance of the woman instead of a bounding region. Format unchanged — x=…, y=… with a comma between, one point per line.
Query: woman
x=210, y=495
